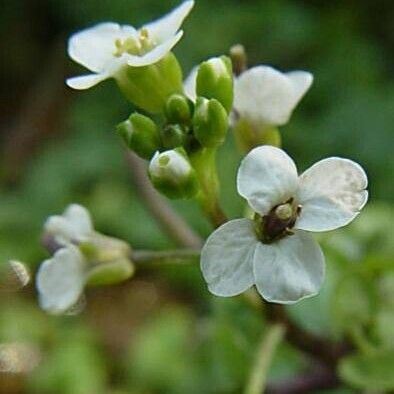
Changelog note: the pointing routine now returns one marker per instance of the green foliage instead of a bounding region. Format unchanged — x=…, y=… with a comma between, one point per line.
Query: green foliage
x=75, y=366
x=162, y=358
x=369, y=372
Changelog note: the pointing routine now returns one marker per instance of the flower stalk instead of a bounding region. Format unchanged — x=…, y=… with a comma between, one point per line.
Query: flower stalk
x=265, y=353
x=204, y=162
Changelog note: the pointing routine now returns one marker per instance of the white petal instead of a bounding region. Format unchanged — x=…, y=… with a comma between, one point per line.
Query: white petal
x=289, y=270
x=301, y=81
x=155, y=54
x=227, y=258
x=166, y=27
x=94, y=47
x=86, y=81
x=60, y=280
x=74, y=225
x=332, y=193
x=189, y=84
x=266, y=96
x=266, y=177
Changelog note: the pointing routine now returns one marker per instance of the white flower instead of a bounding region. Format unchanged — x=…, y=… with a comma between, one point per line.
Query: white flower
x=73, y=226
x=82, y=256
x=61, y=279
x=266, y=97
x=276, y=252
x=107, y=47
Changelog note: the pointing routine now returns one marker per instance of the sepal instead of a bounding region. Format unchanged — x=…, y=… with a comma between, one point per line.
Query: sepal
x=210, y=122
x=178, y=109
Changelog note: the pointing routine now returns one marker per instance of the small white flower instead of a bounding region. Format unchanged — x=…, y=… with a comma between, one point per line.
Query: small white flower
x=266, y=97
x=61, y=279
x=275, y=252
x=107, y=47
x=82, y=256
x=73, y=226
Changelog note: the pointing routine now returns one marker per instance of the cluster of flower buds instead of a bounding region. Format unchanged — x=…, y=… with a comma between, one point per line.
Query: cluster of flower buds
x=150, y=77
x=188, y=125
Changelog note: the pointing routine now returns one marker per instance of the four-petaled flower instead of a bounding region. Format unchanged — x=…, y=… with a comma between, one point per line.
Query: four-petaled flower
x=107, y=47
x=275, y=251
x=81, y=256
x=265, y=97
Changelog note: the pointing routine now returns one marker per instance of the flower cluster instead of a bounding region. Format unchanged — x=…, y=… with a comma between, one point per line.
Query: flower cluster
x=178, y=130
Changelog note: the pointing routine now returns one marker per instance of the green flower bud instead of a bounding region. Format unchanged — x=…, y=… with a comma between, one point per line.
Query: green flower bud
x=140, y=134
x=172, y=174
x=210, y=122
x=178, y=109
x=173, y=136
x=110, y=272
x=149, y=87
x=109, y=261
x=215, y=80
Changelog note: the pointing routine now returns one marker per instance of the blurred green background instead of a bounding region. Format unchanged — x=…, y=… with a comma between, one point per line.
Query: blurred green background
x=162, y=332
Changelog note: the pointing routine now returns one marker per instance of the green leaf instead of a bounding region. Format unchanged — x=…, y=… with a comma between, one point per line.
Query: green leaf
x=369, y=371
x=161, y=359
x=73, y=366
x=352, y=304
x=384, y=328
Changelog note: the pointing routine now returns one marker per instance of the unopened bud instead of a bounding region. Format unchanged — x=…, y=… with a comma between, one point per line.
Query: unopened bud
x=210, y=122
x=238, y=58
x=215, y=80
x=140, y=134
x=178, y=109
x=173, y=136
x=110, y=272
x=172, y=174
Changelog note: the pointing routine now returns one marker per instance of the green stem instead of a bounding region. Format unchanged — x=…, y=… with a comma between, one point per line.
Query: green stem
x=204, y=163
x=265, y=353
x=319, y=348
x=148, y=258
x=169, y=220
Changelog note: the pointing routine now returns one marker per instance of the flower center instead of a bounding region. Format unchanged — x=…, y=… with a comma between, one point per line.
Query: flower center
x=278, y=223
x=134, y=45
